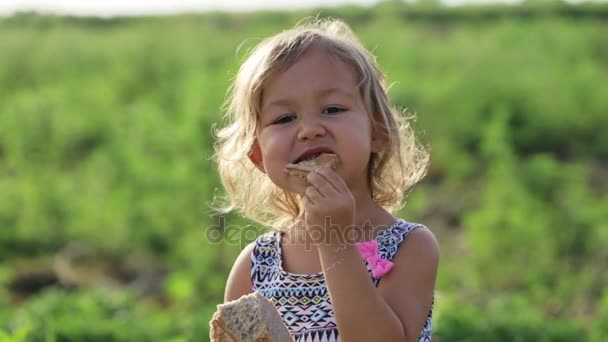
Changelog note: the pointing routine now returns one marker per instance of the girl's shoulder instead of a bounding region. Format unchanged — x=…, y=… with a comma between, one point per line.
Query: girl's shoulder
x=398, y=230
x=392, y=237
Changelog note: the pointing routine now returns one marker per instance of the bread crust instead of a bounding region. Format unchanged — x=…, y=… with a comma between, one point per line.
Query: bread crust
x=302, y=168
x=272, y=329
x=220, y=332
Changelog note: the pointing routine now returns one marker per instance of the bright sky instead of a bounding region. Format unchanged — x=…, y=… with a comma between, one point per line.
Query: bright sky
x=135, y=7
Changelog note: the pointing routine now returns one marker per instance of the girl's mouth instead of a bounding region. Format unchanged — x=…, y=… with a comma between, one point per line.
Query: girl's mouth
x=305, y=166
x=313, y=153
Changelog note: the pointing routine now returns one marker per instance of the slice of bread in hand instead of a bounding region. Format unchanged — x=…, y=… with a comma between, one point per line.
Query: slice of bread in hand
x=302, y=168
x=249, y=318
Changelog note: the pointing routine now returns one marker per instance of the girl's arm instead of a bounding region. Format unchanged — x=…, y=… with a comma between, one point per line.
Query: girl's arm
x=398, y=308
x=409, y=287
x=239, y=280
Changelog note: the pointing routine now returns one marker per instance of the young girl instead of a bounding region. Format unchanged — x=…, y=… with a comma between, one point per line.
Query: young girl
x=310, y=90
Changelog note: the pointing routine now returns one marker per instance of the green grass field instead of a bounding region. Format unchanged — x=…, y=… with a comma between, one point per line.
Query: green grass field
x=106, y=180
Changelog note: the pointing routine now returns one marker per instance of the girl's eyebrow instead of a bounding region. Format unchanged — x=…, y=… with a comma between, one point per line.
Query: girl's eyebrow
x=321, y=93
x=278, y=103
x=339, y=90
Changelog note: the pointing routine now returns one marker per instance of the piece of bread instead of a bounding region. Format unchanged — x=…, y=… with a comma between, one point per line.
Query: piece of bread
x=251, y=318
x=302, y=168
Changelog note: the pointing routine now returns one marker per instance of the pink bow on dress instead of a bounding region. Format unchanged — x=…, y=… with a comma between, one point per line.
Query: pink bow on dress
x=369, y=251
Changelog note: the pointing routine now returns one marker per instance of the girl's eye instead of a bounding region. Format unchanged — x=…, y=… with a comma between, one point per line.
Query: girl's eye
x=284, y=119
x=332, y=110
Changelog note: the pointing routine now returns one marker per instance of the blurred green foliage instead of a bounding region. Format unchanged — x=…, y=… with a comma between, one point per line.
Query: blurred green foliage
x=105, y=172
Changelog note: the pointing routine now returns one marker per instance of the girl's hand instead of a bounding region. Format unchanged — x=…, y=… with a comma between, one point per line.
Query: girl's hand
x=329, y=208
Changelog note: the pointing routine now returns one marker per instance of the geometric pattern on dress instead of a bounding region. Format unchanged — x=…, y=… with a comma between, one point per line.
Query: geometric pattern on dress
x=302, y=300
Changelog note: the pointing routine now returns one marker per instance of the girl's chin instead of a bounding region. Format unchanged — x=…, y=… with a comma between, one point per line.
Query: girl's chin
x=294, y=184
x=298, y=185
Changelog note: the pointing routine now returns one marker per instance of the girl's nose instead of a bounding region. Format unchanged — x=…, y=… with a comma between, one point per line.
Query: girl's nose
x=310, y=129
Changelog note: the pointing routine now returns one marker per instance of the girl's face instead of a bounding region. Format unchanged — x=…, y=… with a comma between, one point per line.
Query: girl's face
x=314, y=104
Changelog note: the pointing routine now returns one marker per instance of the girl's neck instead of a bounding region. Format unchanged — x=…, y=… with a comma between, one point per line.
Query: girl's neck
x=370, y=220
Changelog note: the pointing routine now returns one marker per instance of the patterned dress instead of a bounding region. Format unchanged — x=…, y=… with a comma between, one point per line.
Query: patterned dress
x=303, y=299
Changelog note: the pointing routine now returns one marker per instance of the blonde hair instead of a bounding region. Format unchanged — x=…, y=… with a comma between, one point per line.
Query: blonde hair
x=391, y=172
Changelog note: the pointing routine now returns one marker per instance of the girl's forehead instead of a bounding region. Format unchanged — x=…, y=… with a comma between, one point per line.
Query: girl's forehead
x=315, y=73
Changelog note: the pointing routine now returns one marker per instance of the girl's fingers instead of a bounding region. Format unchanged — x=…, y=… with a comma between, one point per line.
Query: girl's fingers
x=306, y=202
x=332, y=178
x=314, y=194
x=321, y=183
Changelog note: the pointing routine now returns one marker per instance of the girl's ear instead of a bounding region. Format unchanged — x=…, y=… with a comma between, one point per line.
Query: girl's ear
x=376, y=144
x=255, y=155
x=379, y=139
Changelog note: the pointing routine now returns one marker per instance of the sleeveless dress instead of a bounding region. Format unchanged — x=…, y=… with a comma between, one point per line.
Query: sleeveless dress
x=303, y=299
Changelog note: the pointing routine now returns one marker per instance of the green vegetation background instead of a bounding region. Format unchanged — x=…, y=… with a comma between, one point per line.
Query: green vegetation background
x=105, y=176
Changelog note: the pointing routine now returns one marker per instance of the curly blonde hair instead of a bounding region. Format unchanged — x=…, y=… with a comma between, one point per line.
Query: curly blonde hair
x=391, y=172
